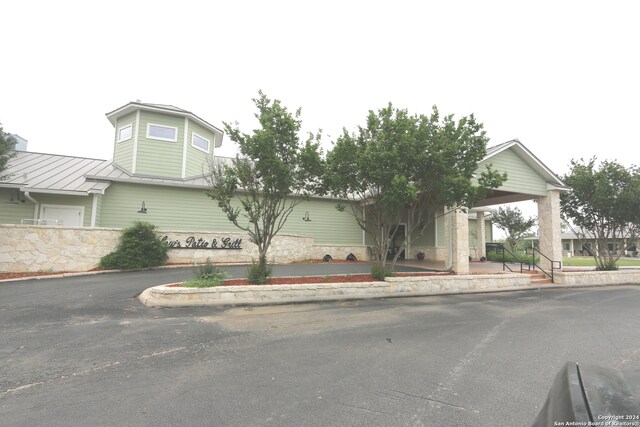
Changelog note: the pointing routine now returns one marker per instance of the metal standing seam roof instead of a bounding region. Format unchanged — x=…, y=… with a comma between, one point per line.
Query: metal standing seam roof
x=53, y=173
x=40, y=172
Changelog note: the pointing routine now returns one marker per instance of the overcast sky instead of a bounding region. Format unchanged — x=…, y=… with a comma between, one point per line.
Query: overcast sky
x=561, y=76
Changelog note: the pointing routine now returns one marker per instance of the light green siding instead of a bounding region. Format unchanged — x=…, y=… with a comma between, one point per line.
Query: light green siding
x=327, y=224
x=428, y=237
x=123, y=151
x=197, y=160
x=520, y=177
x=60, y=200
x=191, y=210
x=157, y=157
x=98, y=208
x=12, y=213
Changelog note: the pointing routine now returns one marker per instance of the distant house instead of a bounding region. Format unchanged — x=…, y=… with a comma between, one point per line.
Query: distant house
x=574, y=245
x=21, y=143
x=161, y=156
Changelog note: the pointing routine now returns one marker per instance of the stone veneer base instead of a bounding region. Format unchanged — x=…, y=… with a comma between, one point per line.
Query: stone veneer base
x=172, y=296
x=168, y=296
x=578, y=278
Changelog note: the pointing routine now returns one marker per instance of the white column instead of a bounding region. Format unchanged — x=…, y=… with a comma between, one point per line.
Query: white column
x=459, y=241
x=549, y=228
x=480, y=235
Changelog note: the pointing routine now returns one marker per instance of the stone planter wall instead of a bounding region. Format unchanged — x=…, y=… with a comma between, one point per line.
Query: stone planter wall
x=596, y=277
x=430, y=252
x=169, y=296
x=27, y=248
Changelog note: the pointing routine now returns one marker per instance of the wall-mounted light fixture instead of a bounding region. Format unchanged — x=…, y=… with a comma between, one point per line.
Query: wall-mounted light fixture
x=306, y=216
x=14, y=199
x=143, y=209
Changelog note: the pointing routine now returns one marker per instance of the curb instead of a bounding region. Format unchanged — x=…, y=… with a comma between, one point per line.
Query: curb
x=148, y=296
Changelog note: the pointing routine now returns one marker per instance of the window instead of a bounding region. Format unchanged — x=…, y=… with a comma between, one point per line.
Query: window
x=163, y=133
x=567, y=246
x=199, y=142
x=125, y=132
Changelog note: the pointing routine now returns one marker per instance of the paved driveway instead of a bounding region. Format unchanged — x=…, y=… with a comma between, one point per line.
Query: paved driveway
x=83, y=351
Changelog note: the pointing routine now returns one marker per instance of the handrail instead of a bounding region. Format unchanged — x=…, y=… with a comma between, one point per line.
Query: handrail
x=504, y=262
x=533, y=258
x=41, y=221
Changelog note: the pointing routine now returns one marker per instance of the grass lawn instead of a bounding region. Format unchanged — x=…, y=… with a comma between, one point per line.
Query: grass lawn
x=589, y=262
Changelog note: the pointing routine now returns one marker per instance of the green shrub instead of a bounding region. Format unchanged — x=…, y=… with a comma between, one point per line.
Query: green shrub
x=258, y=273
x=208, y=271
x=607, y=265
x=207, y=276
x=497, y=256
x=379, y=272
x=139, y=247
x=203, y=283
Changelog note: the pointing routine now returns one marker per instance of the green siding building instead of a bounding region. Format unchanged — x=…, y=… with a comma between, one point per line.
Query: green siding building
x=161, y=158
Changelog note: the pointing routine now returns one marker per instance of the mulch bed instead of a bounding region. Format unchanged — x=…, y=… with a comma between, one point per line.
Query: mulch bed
x=12, y=276
x=307, y=280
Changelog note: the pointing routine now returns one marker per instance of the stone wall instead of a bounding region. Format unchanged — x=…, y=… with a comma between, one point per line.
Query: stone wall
x=169, y=296
x=430, y=252
x=596, y=277
x=26, y=248
x=339, y=252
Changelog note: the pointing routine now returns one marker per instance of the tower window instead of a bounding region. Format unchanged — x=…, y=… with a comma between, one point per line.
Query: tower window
x=163, y=133
x=199, y=142
x=125, y=132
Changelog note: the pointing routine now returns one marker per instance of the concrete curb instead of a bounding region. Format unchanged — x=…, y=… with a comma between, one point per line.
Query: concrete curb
x=162, y=297
x=172, y=296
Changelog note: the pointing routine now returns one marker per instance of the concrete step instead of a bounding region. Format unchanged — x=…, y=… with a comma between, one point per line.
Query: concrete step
x=544, y=280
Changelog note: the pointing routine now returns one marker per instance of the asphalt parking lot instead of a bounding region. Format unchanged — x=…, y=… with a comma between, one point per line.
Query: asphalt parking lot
x=84, y=351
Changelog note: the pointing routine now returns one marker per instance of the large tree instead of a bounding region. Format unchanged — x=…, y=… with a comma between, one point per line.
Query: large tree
x=7, y=143
x=512, y=221
x=400, y=165
x=273, y=173
x=604, y=205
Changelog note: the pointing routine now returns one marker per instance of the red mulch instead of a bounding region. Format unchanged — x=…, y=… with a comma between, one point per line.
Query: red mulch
x=11, y=276
x=319, y=279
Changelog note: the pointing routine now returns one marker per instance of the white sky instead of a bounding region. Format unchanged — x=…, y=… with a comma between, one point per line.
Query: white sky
x=562, y=76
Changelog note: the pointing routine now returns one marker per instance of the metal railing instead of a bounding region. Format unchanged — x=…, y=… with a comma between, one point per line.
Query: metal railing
x=499, y=248
x=41, y=221
x=553, y=263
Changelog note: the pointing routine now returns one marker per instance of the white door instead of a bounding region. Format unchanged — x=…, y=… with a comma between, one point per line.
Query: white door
x=71, y=216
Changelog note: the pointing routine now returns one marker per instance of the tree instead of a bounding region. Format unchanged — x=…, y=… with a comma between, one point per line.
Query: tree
x=604, y=205
x=400, y=165
x=511, y=221
x=7, y=143
x=273, y=173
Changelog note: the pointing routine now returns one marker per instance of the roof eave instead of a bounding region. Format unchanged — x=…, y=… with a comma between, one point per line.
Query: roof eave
x=112, y=116
x=537, y=163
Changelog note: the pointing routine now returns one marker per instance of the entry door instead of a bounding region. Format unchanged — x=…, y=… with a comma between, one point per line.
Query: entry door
x=71, y=216
x=398, y=232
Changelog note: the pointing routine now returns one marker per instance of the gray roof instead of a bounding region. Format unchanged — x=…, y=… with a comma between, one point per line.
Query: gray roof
x=165, y=108
x=52, y=173
x=112, y=173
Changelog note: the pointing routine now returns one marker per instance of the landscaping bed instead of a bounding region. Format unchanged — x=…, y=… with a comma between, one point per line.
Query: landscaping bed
x=308, y=280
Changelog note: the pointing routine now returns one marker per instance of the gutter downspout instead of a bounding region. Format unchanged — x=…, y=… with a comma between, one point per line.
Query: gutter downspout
x=36, y=209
